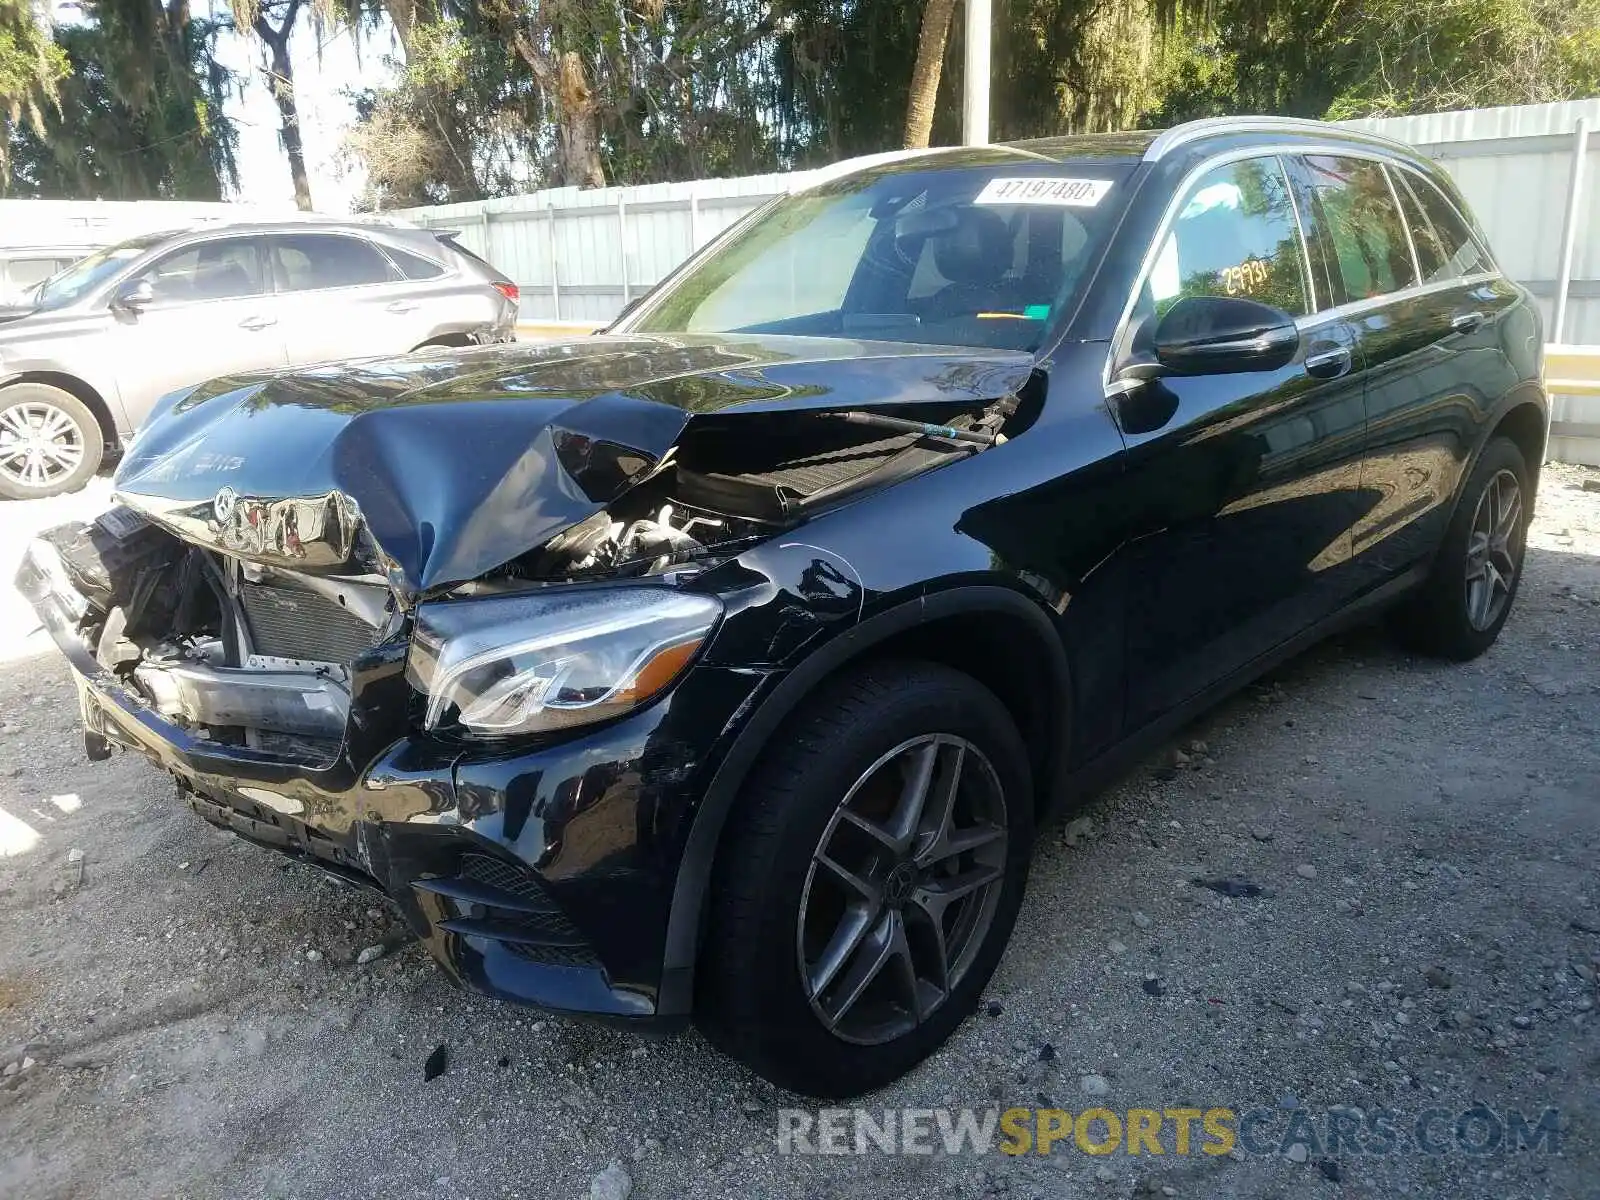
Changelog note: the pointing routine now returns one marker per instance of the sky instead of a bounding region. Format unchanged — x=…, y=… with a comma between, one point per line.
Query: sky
x=324, y=74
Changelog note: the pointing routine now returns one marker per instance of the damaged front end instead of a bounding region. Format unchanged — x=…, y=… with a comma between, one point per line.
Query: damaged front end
x=202, y=616
x=442, y=626
x=234, y=653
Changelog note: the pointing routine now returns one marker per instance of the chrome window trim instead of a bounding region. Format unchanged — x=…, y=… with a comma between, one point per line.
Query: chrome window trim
x=1267, y=150
x=1172, y=139
x=1355, y=308
x=1405, y=226
x=1300, y=225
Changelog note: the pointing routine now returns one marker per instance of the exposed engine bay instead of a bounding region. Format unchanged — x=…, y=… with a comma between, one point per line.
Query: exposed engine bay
x=726, y=485
x=245, y=653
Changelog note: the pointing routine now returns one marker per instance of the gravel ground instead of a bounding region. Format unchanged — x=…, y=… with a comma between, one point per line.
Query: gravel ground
x=182, y=1014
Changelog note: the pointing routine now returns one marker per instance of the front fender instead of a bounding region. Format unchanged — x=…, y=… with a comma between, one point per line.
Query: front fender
x=977, y=601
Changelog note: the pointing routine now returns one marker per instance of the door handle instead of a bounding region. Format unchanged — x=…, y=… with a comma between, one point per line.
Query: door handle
x=402, y=306
x=258, y=322
x=1329, y=364
x=1466, y=322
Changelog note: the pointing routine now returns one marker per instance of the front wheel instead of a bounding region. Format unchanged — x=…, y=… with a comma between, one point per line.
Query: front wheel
x=869, y=880
x=49, y=442
x=1461, y=608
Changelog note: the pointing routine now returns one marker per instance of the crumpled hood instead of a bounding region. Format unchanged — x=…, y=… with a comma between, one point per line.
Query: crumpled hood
x=441, y=466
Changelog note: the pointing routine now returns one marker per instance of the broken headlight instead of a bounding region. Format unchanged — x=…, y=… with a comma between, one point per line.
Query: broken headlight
x=504, y=665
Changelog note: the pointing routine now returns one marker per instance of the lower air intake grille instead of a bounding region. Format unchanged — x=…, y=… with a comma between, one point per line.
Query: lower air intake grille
x=290, y=622
x=497, y=901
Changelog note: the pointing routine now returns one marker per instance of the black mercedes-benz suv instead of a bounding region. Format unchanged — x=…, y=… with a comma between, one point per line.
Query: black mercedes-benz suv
x=725, y=664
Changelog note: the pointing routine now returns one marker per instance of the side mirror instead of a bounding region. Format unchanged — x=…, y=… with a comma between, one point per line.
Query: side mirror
x=1221, y=335
x=134, y=295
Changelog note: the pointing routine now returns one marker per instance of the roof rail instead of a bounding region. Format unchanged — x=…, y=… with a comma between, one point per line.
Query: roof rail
x=1181, y=135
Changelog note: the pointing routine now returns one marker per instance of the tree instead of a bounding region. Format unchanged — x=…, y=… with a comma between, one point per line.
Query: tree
x=140, y=113
x=31, y=68
x=1351, y=58
x=278, y=70
x=936, y=17
x=614, y=77
x=461, y=121
x=513, y=94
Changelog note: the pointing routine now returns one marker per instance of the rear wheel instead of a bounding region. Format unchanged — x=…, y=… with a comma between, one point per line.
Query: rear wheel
x=1460, y=610
x=868, y=883
x=49, y=442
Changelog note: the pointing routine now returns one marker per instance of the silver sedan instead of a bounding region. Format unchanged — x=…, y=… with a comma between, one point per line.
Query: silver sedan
x=92, y=348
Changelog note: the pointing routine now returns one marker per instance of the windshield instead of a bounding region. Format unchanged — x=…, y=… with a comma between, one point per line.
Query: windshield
x=87, y=274
x=956, y=257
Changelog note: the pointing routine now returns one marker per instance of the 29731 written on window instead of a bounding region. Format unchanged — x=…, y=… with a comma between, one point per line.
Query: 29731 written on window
x=1234, y=236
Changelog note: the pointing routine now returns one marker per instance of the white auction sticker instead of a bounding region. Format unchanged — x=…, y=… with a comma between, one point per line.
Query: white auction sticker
x=1040, y=189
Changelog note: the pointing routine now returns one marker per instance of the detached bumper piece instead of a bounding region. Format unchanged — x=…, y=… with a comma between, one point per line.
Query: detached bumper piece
x=255, y=824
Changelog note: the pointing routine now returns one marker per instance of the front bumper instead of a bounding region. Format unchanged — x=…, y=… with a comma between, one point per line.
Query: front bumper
x=541, y=873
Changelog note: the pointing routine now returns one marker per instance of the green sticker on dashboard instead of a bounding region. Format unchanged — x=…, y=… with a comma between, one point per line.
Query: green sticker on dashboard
x=1037, y=312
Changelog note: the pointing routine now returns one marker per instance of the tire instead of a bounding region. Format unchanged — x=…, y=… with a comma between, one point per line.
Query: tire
x=63, y=461
x=1448, y=616
x=772, y=904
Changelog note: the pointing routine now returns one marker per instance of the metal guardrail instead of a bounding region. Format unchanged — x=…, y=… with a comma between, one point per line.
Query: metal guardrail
x=1573, y=371
x=549, y=331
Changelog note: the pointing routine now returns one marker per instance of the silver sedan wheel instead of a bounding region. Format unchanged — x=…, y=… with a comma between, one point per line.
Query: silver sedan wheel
x=39, y=444
x=902, y=888
x=1494, y=550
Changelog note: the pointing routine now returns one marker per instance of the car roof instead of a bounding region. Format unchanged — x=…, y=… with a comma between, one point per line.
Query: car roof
x=310, y=223
x=1130, y=144
x=1138, y=145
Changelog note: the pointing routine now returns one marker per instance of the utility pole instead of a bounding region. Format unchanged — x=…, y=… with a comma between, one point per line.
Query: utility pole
x=975, y=103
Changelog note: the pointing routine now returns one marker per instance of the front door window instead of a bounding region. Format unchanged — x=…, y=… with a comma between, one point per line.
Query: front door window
x=1235, y=235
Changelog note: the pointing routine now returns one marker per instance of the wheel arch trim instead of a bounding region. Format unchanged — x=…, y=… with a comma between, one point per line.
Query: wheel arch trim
x=1527, y=395
x=685, y=921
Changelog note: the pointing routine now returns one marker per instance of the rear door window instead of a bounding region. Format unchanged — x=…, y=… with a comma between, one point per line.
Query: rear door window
x=1462, y=254
x=223, y=269
x=1362, y=240
x=316, y=261
x=1235, y=235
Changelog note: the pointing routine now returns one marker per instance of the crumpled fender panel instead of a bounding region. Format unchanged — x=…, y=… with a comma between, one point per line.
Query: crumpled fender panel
x=439, y=468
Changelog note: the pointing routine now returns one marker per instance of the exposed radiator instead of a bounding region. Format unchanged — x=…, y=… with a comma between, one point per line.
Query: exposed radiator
x=291, y=622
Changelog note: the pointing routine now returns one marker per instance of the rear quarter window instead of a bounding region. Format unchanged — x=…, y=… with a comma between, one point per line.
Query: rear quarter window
x=1462, y=254
x=414, y=266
